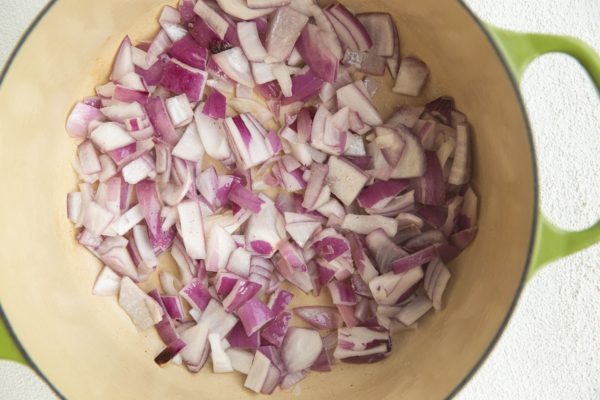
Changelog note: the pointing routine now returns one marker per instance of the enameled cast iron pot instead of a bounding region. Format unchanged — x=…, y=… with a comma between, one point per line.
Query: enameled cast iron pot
x=86, y=348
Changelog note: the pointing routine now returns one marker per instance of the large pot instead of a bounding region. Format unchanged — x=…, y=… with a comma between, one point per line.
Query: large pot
x=88, y=349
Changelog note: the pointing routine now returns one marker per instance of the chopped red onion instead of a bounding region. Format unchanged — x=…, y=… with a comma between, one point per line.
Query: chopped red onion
x=318, y=57
x=196, y=294
x=353, y=25
x=320, y=317
x=304, y=87
x=241, y=293
x=381, y=30
x=174, y=307
x=238, y=338
x=282, y=116
x=254, y=314
x=460, y=172
x=274, y=332
x=80, y=118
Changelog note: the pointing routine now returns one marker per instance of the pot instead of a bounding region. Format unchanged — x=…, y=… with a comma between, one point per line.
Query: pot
x=86, y=348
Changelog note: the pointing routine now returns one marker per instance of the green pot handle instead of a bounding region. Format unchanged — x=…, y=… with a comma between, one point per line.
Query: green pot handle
x=8, y=347
x=519, y=50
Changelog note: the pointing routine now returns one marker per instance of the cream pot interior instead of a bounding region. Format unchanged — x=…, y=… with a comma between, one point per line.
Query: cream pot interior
x=88, y=348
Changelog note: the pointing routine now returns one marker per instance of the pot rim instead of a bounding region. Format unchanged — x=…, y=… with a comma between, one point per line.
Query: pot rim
x=533, y=236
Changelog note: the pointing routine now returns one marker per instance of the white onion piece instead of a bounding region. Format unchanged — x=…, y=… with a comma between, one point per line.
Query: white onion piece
x=219, y=246
x=138, y=169
x=285, y=27
x=262, y=73
x=345, y=180
x=128, y=220
x=107, y=283
x=212, y=18
x=142, y=241
x=123, y=62
x=170, y=284
x=258, y=372
x=239, y=262
x=143, y=310
x=110, y=136
x=192, y=232
x=410, y=313
x=300, y=348
x=190, y=147
x=195, y=352
x=351, y=96
x=158, y=46
x=241, y=360
x=412, y=76
x=212, y=136
x=235, y=64
x=267, y=3
x=180, y=110
x=239, y=9
x=365, y=224
x=282, y=74
x=220, y=360
x=250, y=41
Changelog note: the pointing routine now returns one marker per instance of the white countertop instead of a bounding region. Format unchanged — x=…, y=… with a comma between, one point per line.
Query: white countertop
x=551, y=349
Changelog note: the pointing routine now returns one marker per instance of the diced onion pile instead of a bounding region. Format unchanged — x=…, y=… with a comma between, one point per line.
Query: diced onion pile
x=241, y=141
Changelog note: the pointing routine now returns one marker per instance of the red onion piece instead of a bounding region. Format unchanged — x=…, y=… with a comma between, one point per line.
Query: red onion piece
x=254, y=314
x=381, y=30
x=304, y=87
x=238, y=338
x=242, y=292
x=318, y=57
x=430, y=188
x=80, y=118
x=460, y=172
x=189, y=51
x=279, y=300
x=353, y=24
x=274, y=332
x=181, y=78
x=245, y=198
x=421, y=257
x=196, y=294
x=320, y=317
x=379, y=194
